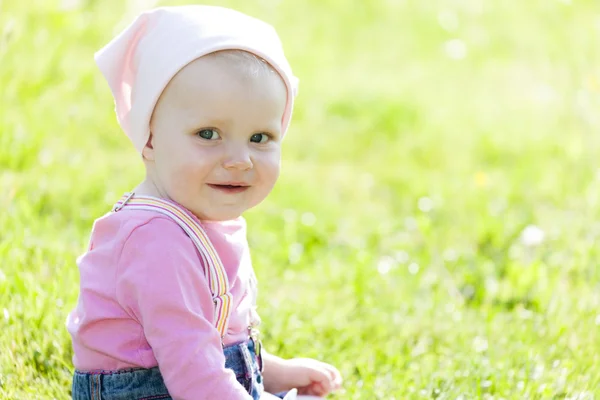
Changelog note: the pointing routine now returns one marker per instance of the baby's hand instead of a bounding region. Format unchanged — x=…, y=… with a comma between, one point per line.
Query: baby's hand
x=311, y=377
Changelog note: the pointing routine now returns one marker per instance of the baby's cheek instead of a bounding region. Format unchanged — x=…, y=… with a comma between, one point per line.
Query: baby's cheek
x=271, y=165
x=271, y=176
x=184, y=175
x=267, y=174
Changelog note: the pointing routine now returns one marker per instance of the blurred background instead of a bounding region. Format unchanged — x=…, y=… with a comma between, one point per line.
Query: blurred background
x=435, y=232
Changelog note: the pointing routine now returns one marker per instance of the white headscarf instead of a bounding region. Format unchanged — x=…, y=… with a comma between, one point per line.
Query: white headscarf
x=139, y=63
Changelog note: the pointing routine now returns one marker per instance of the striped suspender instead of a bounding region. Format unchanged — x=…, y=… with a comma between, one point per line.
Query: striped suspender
x=214, y=271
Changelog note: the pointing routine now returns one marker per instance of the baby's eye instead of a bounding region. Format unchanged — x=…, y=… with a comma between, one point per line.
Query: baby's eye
x=259, y=138
x=208, y=134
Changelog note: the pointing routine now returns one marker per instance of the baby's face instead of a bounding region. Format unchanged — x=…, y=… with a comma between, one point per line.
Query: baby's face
x=216, y=138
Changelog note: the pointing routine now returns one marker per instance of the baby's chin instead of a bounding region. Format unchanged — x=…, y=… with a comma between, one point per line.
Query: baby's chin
x=217, y=215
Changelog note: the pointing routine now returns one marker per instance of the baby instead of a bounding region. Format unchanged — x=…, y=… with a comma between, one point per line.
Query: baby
x=167, y=303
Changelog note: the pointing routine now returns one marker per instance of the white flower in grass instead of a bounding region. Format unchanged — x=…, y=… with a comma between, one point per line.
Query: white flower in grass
x=401, y=256
x=450, y=255
x=448, y=20
x=532, y=236
x=425, y=204
x=70, y=5
x=413, y=268
x=308, y=219
x=480, y=344
x=455, y=49
x=385, y=264
x=295, y=252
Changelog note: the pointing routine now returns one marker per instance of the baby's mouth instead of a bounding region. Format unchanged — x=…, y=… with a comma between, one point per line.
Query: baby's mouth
x=229, y=188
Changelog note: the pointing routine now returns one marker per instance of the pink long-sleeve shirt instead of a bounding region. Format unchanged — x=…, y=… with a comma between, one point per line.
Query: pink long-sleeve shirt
x=144, y=301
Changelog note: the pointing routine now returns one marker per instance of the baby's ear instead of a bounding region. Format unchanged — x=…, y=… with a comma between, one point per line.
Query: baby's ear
x=148, y=150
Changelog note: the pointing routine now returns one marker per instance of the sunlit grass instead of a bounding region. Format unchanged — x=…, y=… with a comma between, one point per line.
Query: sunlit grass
x=428, y=135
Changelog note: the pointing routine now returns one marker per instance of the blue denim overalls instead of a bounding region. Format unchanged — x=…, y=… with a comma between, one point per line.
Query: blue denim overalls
x=147, y=384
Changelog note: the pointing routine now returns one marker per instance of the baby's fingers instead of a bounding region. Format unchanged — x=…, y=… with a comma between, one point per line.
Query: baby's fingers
x=335, y=377
x=323, y=383
x=314, y=389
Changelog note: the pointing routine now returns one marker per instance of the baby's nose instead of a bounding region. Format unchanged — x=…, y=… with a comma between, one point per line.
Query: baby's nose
x=238, y=159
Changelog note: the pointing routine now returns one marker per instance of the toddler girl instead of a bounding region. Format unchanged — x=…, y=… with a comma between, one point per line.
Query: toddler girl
x=167, y=299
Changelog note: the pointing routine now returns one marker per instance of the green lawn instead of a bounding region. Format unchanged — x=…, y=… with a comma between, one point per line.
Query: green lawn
x=428, y=134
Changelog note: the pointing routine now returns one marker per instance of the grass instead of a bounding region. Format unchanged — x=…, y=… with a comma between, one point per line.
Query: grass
x=427, y=136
